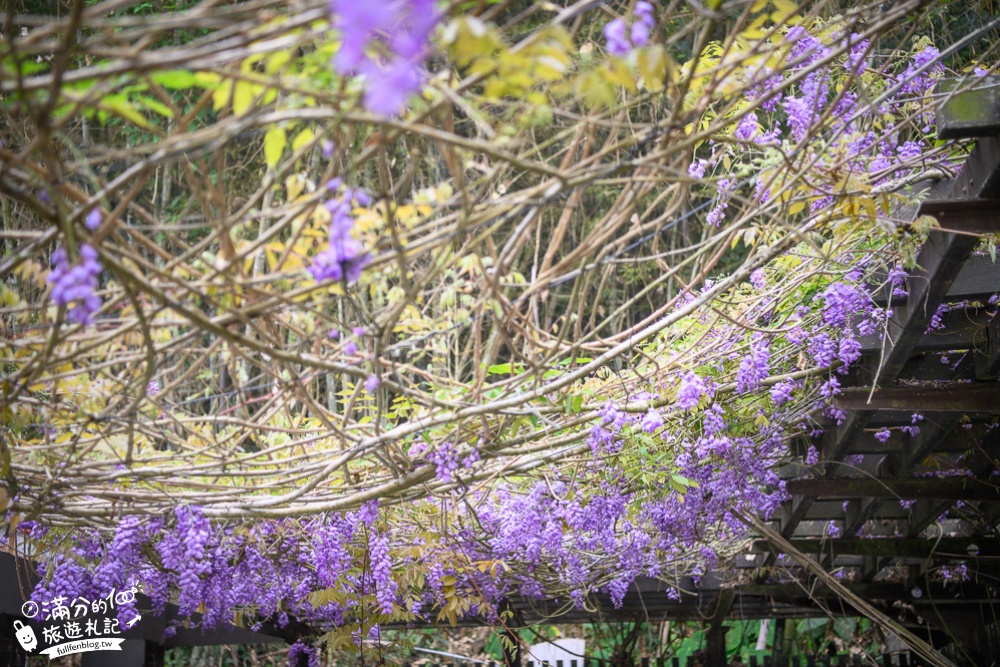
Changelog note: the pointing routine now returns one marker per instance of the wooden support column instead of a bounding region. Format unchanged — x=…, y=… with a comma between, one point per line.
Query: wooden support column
x=715, y=646
x=156, y=654
x=715, y=637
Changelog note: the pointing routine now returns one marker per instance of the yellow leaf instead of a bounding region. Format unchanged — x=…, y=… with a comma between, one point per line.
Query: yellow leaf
x=274, y=145
x=595, y=90
x=756, y=29
x=302, y=138
x=276, y=61
x=221, y=95
x=294, y=185
x=653, y=67
x=242, y=97
x=787, y=12
x=796, y=207
x=617, y=71
x=273, y=252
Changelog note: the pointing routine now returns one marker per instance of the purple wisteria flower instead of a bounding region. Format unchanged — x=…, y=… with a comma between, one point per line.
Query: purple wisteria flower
x=690, y=392
x=345, y=258
x=747, y=129
x=385, y=585
x=300, y=650
x=850, y=350
x=93, y=219
x=841, y=303
x=697, y=168
x=754, y=367
x=652, y=421
x=371, y=383
x=445, y=460
x=73, y=286
x=618, y=43
x=471, y=458
x=781, y=392
x=400, y=30
x=812, y=456
x=642, y=24
x=917, y=82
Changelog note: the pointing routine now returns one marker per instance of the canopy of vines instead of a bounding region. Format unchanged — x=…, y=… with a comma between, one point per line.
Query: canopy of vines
x=366, y=313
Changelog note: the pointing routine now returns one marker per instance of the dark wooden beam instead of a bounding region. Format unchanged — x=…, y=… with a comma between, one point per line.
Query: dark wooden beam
x=982, y=464
x=950, y=488
x=977, y=280
x=935, y=428
x=963, y=329
x=913, y=547
x=987, y=357
x=971, y=107
x=965, y=216
x=983, y=397
x=937, y=594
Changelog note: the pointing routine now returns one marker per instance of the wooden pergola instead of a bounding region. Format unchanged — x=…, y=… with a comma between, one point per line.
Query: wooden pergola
x=947, y=375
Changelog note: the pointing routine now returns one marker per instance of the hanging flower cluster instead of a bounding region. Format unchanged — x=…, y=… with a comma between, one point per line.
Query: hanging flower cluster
x=387, y=43
x=345, y=258
x=73, y=286
x=620, y=44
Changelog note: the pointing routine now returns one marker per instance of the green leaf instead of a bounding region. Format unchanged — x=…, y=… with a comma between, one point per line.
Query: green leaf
x=120, y=105
x=155, y=106
x=499, y=369
x=175, y=79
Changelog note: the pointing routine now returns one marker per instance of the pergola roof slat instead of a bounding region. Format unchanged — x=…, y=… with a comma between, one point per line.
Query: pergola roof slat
x=948, y=488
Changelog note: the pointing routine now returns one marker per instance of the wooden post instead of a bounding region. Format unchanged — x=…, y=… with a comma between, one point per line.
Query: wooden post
x=715, y=646
x=156, y=654
x=778, y=656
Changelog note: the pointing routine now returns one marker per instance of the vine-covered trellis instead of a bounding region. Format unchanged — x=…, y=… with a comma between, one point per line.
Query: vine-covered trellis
x=340, y=319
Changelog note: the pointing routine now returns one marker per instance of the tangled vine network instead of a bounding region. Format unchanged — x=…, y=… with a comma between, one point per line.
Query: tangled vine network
x=369, y=313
